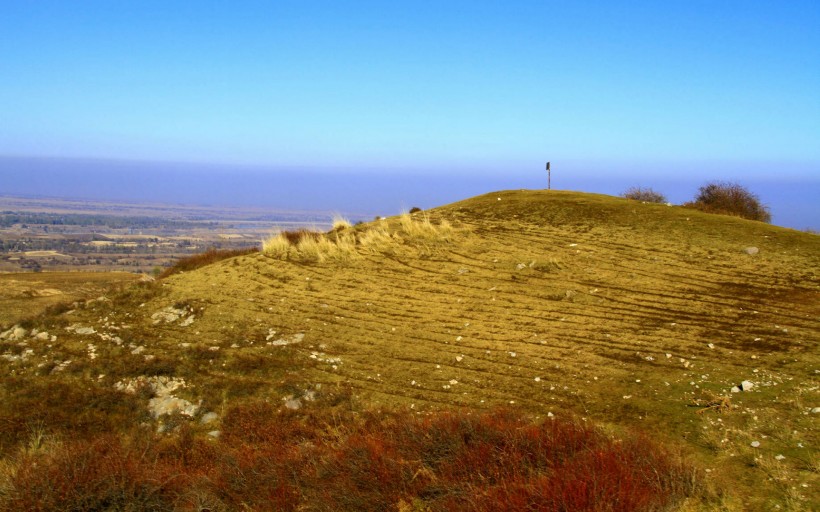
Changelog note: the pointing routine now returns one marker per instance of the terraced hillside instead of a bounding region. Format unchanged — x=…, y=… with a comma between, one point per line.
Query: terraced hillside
x=558, y=303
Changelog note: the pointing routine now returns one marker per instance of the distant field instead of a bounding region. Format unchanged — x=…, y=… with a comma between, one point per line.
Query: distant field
x=56, y=234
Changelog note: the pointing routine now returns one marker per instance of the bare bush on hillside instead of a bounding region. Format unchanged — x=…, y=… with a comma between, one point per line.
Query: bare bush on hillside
x=730, y=199
x=206, y=258
x=646, y=195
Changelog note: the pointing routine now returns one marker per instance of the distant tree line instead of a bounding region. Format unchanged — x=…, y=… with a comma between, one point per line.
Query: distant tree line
x=9, y=218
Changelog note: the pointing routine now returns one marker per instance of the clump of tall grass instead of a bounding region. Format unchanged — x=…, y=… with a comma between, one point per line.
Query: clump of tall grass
x=422, y=229
x=340, y=223
x=339, y=248
x=344, y=241
x=276, y=246
x=311, y=246
x=377, y=239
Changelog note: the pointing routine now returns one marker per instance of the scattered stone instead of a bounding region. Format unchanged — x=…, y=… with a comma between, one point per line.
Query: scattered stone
x=779, y=456
x=711, y=345
x=42, y=336
x=188, y=321
x=751, y=251
x=281, y=342
x=79, y=329
x=520, y=266
x=735, y=389
x=168, y=315
x=208, y=417
x=816, y=410
x=138, y=350
x=746, y=385
x=162, y=387
x=162, y=405
x=292, y=403
x=145, y=278
x=215, y=433
x=755, y=444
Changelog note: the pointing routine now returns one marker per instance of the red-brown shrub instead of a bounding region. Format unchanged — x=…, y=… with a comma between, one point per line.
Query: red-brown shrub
x=206, y=258
x=269, y=460
x=296, y=236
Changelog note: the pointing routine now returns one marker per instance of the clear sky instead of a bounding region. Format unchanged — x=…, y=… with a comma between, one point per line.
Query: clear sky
x=652, y=88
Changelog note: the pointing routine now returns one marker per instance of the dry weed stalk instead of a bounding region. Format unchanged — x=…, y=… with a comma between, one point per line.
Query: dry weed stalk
x=713, y=402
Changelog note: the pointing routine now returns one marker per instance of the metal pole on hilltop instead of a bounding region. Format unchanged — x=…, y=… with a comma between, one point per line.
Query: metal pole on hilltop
x=549, y=177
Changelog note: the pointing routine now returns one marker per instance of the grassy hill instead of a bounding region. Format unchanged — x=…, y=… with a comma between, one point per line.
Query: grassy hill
x=634, y=317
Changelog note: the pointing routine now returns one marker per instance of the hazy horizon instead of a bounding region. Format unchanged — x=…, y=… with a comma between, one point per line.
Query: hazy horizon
x=366, y=193
x=377, y=106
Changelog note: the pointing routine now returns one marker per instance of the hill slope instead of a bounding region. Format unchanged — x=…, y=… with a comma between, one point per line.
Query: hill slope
x=630, y=314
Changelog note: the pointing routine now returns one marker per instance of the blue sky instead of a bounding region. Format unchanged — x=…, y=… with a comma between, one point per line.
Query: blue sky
x=648, y=90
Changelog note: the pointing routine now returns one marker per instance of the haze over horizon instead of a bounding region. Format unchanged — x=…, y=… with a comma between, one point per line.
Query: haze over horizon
x=371, y=106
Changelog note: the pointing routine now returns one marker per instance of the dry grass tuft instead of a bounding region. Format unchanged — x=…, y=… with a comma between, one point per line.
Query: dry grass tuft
x=340, y=223
x=376, y=240
x=276, y=246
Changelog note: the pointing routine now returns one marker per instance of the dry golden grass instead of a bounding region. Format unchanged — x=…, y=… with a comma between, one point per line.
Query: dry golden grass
x=548, y=302
x=340, y=222
x=276, y=246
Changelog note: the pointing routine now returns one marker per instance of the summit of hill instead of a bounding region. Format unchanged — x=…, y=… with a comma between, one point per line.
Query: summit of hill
x=700, y=329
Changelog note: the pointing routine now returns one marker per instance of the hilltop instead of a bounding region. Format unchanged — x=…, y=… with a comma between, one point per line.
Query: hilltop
x=628, y=315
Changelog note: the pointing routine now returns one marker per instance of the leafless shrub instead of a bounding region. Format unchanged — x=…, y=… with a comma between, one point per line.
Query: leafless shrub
x=730, y=199
x=646, y=195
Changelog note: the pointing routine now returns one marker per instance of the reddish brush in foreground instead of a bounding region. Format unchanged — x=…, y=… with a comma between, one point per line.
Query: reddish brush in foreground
x=206, y=258
x=289, y=461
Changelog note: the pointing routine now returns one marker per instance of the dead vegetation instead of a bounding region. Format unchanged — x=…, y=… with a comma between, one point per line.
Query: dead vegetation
x=553, y=305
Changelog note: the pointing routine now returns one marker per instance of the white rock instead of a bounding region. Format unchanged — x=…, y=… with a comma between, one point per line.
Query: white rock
x=170, y=405
x=751, y=251
x=816, y=410
x=208, y=417
x=746, y=385
x=292, y=403
x=779, y=456
x=755, y=444
x=735, y=389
